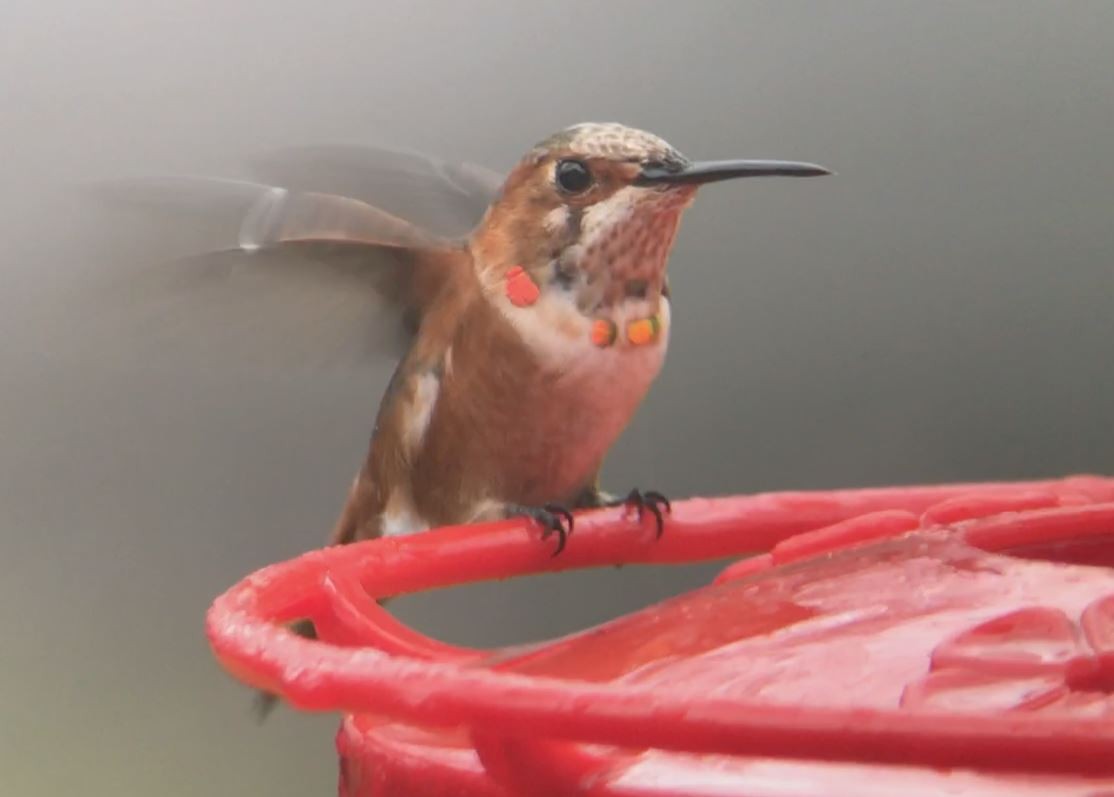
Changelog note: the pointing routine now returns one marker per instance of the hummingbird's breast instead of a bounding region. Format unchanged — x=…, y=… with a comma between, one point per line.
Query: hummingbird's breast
x=526, y=415
x=589, y=401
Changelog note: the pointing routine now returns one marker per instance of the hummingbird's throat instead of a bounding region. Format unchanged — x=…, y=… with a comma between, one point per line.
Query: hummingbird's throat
x=623, y=246
x=522, y=291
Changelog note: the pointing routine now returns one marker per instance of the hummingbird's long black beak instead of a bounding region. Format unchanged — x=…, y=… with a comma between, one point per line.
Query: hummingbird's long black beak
x=713, y=171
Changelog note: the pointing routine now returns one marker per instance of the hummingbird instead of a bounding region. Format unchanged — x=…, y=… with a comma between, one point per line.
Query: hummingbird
x=532, y=337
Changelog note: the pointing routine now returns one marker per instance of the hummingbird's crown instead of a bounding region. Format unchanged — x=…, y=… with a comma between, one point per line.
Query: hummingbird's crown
x=612, y=141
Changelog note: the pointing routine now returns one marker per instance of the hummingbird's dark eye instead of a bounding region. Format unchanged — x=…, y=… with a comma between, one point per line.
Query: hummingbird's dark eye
x=573, y=176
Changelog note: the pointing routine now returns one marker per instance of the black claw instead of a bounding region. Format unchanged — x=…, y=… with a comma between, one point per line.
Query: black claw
x=649, y=501
x=557, y=509
x=659, y=522
x=653, y=496
x=553, y=518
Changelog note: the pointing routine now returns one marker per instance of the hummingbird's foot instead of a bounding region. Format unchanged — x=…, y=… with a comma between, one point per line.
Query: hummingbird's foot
x=646, y=501
x=553, y=518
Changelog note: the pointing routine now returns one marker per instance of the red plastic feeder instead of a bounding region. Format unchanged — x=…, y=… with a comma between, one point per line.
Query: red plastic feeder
x=902, y=641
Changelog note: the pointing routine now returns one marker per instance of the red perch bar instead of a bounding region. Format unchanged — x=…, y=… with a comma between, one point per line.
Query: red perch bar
x=950, y=639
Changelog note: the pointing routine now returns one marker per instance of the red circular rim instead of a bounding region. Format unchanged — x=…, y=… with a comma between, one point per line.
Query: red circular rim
x=421, y=681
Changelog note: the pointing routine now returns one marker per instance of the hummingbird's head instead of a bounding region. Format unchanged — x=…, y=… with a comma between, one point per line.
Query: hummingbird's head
x=591, y=213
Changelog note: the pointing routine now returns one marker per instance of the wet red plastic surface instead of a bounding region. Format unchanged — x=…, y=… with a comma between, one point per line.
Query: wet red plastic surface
x=955, y=639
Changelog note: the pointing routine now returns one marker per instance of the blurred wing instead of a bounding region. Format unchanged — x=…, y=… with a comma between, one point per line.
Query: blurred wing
x=264, y=216
x=287, y=277
x=446, y=198
x=280, y=217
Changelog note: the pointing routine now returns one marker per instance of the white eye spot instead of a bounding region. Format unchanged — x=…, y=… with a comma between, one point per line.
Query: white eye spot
x=602, y=218
x=556, y=219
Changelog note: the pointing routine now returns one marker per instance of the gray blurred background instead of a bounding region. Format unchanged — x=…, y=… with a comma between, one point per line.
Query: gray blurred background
x=940, y=310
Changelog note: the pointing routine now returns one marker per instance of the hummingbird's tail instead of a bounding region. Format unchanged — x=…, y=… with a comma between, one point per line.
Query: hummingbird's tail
x=265, y=702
